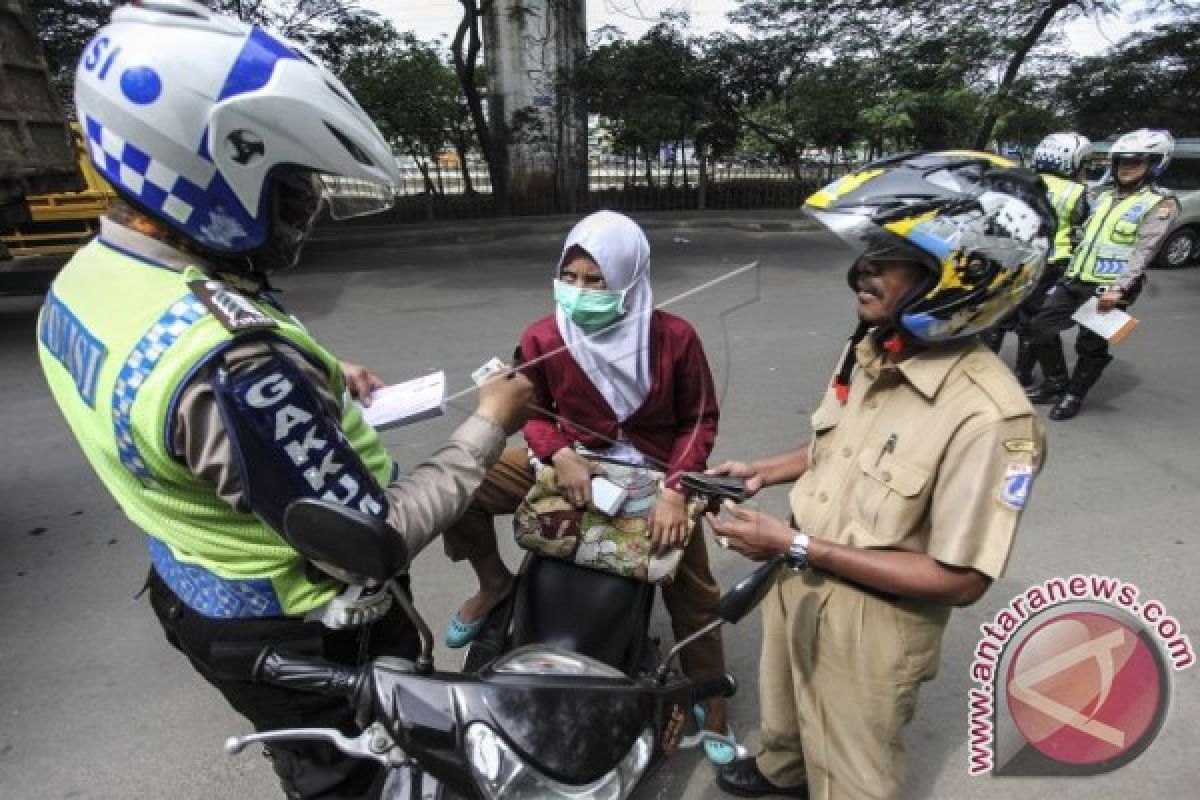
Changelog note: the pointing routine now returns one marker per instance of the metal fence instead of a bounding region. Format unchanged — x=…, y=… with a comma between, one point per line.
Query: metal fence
x=442, y=191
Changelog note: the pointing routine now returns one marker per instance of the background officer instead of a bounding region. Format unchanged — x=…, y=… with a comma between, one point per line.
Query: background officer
x=907, y=499
x=1121, y=238
x=1060, y=159
x=205, y=408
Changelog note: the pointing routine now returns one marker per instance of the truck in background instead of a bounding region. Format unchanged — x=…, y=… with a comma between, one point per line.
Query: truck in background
x=39, y=158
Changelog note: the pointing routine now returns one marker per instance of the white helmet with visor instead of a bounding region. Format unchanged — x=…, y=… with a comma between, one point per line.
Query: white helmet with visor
x=216, y=128
x=1062, y=154
x=1156, y=146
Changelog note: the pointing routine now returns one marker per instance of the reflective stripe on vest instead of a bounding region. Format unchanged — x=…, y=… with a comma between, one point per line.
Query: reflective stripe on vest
x=1111, y=236
x=118, y=337
x=208, y=593
x=1064, y=196
x=141, y=362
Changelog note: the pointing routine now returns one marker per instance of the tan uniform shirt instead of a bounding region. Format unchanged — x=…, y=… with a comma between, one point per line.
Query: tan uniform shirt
x=934, y=455
x=1153, y=229
x=420, y=505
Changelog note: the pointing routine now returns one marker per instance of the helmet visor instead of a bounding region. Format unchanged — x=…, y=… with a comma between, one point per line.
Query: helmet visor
x=355, y=197
x=867, y=239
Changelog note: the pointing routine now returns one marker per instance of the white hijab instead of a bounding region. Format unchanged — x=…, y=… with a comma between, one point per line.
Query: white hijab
x=616, y=359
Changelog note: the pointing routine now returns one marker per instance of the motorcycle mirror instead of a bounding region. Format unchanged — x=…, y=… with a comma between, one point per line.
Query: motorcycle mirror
x=748, y=593
x=351, y=541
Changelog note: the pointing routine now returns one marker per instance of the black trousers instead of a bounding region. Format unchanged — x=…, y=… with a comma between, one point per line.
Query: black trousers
x=223, y=651
x=1061, y=302
x=1054, y=317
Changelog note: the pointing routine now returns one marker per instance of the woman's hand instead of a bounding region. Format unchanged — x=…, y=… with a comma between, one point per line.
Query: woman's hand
x=741, y=469
x=669, y=524
x=574, y=476
x=361, y=382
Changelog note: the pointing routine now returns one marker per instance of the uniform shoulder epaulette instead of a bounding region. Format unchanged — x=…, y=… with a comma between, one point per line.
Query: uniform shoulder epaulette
x=235, y=311
x=999, y=386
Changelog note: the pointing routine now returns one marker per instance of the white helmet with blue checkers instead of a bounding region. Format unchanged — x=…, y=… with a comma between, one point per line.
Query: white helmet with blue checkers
x=1062, y=154
x=192, y=115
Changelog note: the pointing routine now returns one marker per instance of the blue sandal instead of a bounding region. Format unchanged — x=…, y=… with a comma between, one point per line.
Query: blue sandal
x=460, y=634
x=720, y=749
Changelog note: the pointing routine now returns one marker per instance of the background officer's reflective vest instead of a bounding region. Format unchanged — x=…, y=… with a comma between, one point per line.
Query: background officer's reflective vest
x=1110, y=236
x=1064, y=196
x=118, y=337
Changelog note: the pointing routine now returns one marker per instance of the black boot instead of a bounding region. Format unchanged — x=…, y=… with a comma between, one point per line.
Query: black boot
x=1087, y=372
x=993, y=338
x=1025, y=362
x=742, y=778
x=1067, y=406
x=1054, y=372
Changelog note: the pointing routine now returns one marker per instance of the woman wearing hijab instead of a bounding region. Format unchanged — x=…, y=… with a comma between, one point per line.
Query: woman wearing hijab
x=625, y=381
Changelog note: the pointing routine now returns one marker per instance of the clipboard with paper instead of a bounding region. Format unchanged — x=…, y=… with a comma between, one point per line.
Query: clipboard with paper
x=1113, y=325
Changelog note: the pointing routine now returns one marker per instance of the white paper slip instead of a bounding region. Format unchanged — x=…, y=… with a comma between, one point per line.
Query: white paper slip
x=1113, y=325
x=408, y=402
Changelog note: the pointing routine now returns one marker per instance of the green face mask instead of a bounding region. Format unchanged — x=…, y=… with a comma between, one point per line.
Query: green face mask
x=590, y=309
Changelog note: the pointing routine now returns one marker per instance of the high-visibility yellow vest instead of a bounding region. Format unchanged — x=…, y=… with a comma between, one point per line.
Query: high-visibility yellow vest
x=1064, y=196
x=118, y=338
x=1110, y=236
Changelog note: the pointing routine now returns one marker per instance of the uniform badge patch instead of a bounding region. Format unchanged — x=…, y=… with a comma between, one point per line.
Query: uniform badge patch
x=1021, y=446
x=232, y=309
x=1018, y=477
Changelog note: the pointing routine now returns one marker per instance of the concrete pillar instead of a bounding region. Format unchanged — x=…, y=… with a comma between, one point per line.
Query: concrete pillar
x=529, y=45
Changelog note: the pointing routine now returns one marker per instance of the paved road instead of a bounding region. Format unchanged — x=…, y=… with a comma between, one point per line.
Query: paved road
x=95, y=705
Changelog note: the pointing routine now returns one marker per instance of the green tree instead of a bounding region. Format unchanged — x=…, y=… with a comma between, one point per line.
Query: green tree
x=406, y=87
x=1151, y=80
x=65, y=26
x=997, y=37
x=650, y=90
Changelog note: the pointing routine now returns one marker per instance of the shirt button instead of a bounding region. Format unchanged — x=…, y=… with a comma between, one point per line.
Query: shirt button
x=887, y=476
x=824, y=498
x=846, y=451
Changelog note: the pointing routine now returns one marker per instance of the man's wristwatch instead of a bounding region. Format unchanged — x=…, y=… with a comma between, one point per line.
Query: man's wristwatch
x=797, y=553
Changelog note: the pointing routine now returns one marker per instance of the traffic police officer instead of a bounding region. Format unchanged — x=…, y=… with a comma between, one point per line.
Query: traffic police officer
x=907, y=499
x=1121, y=238
x=205, y=408
x=1060, y=159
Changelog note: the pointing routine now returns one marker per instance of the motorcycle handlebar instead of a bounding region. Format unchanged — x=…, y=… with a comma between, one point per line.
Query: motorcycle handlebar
x=307, y=674
x=720, y=686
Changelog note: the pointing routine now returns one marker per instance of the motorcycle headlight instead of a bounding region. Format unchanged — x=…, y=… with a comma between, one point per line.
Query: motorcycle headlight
x=542, y=660
x=500, y=772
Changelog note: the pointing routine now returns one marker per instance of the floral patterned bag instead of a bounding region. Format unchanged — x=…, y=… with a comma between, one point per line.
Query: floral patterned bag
x=545, y=523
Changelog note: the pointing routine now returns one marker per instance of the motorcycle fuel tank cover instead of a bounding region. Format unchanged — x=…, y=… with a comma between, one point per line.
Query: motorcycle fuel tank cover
x=571, y=734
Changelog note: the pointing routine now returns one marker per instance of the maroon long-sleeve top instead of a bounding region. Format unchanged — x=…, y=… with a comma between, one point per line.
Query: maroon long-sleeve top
x=676, y=425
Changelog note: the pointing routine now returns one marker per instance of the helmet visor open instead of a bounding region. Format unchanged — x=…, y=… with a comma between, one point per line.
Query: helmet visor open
x=867, y=239
x=355, y=197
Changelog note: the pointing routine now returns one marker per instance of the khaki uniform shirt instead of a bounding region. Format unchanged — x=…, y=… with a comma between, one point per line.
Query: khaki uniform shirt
x=1151, y=232
x=934, y=455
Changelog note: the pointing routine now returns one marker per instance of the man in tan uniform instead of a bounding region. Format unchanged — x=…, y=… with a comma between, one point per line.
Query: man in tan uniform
x=907, y=499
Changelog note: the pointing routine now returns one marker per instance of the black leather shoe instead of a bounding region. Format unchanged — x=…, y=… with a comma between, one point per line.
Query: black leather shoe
x=1067, y=407
x=1045, y=393
x=741, y=778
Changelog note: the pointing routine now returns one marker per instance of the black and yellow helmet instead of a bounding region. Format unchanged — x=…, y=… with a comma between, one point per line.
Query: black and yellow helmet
x=981, y=226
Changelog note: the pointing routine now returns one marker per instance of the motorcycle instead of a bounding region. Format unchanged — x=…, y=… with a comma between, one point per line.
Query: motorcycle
x=539, y=720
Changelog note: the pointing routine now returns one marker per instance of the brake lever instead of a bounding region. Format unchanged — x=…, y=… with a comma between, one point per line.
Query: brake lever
x=373, y=744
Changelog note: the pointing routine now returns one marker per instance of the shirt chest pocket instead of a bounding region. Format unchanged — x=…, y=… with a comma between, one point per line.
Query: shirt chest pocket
x=890, y=497
x=824, y=421
x=1125, y=231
